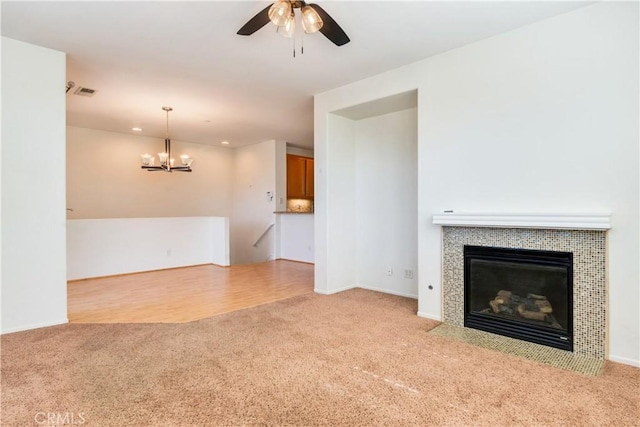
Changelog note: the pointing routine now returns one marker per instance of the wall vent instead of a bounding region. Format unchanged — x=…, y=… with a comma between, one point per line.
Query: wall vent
x=84, y=91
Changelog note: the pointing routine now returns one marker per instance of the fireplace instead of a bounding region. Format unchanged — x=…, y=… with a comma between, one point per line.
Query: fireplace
x=583, y=236
x=520, y=293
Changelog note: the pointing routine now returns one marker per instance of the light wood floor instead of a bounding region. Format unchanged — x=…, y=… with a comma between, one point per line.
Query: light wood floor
x=185, y=294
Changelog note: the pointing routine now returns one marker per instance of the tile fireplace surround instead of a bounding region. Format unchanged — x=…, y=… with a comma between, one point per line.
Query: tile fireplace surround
x=582, y=235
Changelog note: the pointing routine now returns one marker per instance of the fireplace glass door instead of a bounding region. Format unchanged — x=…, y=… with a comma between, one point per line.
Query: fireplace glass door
x=524, y=294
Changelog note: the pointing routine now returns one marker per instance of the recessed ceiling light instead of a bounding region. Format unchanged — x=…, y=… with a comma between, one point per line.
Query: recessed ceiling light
x=136, y=129
x=224, y=142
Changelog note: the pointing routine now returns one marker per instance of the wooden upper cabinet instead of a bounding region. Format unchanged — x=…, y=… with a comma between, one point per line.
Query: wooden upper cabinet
x=299, y=177
x=296, y=170
x=309, y=177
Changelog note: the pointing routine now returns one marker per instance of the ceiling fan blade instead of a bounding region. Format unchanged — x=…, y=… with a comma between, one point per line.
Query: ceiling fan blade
x=254, y=24
x=330, y=28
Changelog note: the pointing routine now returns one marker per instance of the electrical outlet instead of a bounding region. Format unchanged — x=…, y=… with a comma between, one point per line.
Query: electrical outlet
x=408, y=273
x=389, y=271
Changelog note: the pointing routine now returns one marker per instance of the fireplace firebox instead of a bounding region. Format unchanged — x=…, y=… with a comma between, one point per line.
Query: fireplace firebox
x=520, y=293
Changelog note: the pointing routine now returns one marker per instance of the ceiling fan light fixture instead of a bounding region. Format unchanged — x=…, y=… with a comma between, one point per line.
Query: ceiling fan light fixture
x=311, y=21
x=280, y=12
x=315, y=19
x=289, y=28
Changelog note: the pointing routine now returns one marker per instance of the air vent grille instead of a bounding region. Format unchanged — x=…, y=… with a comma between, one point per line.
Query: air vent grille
x=84, y=91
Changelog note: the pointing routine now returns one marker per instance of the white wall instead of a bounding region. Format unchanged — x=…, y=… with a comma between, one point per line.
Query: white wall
x=104, y=178
x=254, y=175
x=295, y=237
x=540, y=119
x=387, y=202
x=281, y=176
x=104, y=247
x=299, y=151
x=335, y=194
x=34, y=288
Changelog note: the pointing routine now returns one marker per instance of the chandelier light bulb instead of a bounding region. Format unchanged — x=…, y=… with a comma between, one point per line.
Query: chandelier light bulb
x=279, y=12
x=289, y=27
x=163, y=158
x=311, y=21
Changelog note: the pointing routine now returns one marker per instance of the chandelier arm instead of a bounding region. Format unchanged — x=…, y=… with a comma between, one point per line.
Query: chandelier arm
x=167, y=143
x=167, y=149
x=167, y=109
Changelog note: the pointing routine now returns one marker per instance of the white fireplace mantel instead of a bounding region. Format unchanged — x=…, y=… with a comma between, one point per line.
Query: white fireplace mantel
x=525, y=220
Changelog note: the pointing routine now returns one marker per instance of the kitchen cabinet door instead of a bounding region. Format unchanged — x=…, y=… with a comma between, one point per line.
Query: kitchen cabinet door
x=309, y=184
x=296, y=177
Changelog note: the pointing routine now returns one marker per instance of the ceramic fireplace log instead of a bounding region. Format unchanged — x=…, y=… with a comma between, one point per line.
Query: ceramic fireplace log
x=533, y=307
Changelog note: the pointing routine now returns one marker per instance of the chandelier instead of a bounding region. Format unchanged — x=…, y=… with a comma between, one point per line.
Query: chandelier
x=167, y=163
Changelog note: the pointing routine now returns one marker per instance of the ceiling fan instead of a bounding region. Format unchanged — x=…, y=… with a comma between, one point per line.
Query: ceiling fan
x=282, y=14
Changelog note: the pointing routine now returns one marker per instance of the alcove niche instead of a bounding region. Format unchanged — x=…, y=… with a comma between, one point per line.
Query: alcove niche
x=372, y=192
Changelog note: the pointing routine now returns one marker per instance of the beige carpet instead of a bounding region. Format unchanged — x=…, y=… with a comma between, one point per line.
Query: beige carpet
x=358, y=358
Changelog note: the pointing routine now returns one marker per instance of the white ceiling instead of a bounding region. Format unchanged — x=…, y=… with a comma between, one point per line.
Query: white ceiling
x=140, y=56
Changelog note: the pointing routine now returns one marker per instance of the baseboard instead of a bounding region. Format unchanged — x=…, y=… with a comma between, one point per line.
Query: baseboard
x=369, y=288
x=295, y=260
x=213, y=263
x=625, y=361
x=35, y=326
x=429, y=316
x=333, y=291
x=386, y=291
x=109, y=276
